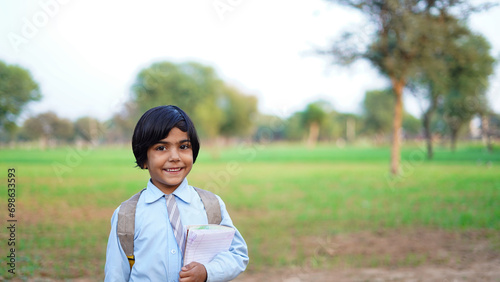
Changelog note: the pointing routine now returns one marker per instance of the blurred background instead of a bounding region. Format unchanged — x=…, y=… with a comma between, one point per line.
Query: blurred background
x=349, y=139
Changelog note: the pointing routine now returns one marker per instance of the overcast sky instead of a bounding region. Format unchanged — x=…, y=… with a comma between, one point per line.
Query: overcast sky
x=86, y=54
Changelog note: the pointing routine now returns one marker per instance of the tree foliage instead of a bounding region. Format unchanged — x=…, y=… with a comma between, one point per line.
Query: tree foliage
x=88, y=129
x=405, y=36
x=17, y=88
x=238, y=112
x=271, y=128
x=214, y=107
x=47, y=127
x=411, y=125
x=378, y=108
x=458, y=72
x=465, y=95
x=294, y=127
x=469, y=82
x=313, y=117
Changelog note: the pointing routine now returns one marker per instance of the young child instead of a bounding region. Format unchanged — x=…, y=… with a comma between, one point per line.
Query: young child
x=166, y=144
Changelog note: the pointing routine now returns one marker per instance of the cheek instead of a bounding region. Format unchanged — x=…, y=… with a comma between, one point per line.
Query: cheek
x=188, y=158
x=152, y=160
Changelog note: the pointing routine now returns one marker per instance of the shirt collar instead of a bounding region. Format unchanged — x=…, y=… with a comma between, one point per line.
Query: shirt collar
x=183, y=192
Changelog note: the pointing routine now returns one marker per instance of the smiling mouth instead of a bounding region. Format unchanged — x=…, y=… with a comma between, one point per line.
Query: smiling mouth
x=173, y=169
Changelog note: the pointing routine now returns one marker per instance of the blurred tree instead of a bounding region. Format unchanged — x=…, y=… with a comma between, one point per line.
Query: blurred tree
x=294, y=127
x=35, y=128
x=468, y=84
x=493, y=126
x=402, y=39
x=331, y=129
x=17, y=89
x=269, y=128
x=120, y=127
x=64, y=130
x=431, y=79
x=88, y=128
x=438, y=78
x=487, y=130
x=238, y=110
x=378, y=108
x=350, y=125
x=411, y=125
x=313, y=117
x=193, y=87
x=48, y=127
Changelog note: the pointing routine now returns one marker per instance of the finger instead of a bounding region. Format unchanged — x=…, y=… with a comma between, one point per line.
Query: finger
x=189, y=266
x=185, y=270
x=185, y=276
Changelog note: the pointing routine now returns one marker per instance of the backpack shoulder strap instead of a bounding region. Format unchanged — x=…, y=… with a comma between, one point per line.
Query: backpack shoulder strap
x=126, y=219
x=126, y=226
x=212, y=206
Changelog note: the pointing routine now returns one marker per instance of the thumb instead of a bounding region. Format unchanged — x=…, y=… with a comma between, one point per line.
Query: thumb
x=188, y=267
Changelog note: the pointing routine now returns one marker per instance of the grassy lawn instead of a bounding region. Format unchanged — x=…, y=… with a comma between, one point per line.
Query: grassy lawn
x=280, y=198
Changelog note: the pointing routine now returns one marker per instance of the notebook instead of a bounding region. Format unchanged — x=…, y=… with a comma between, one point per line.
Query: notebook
x=204, y=242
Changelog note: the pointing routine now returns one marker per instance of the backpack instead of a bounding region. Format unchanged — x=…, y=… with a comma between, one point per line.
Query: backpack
x=126, y=219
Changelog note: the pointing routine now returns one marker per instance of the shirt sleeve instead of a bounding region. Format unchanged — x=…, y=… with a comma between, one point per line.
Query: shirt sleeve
x=117, y=267
x=228, y=265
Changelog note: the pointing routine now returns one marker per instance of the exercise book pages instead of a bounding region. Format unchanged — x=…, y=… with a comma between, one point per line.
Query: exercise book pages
x=204, y=242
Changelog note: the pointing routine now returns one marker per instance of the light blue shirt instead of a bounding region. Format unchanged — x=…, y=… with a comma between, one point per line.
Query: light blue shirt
x=157, y=255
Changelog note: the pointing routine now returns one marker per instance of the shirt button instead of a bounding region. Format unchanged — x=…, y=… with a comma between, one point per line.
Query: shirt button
x=173, y=251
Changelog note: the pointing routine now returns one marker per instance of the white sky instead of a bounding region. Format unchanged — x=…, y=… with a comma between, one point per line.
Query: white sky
x=86, y=54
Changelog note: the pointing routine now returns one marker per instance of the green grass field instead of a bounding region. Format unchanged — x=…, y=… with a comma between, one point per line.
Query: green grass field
x=281, y=198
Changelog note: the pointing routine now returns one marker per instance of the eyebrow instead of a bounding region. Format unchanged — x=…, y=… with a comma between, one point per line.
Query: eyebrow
x=180, y=142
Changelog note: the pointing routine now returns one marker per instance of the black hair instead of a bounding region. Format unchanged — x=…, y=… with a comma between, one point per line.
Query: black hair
x=155, y=124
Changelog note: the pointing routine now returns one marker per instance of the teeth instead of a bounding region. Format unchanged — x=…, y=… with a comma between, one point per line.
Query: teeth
x=173, y=169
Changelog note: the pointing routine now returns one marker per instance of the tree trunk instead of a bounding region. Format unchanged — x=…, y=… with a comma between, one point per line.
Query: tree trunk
x=397, y=86
x=43, y=142
x=428, y=135
x=453, y=135
x=350, y=129
x=427, y=126
x=313, y=134
x=485, y=132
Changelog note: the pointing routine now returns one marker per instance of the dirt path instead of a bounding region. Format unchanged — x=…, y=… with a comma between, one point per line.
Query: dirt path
x=416, y=255
x=489, y=271
x=396, y=255
x=478, y=272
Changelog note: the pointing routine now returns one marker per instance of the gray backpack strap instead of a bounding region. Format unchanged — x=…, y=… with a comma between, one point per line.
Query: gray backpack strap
x=126, y=226
x=212, y=206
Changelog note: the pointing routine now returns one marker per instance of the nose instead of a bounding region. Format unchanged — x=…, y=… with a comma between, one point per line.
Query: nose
x=174, y=156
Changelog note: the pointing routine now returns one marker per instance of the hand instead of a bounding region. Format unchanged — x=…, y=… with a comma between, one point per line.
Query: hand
x=194, y=271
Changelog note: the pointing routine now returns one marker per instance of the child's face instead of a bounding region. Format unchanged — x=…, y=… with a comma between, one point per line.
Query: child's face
x=170, y=160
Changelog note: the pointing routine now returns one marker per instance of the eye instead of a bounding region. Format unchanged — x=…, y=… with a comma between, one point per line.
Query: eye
x=185, y=146
x=161, y=148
